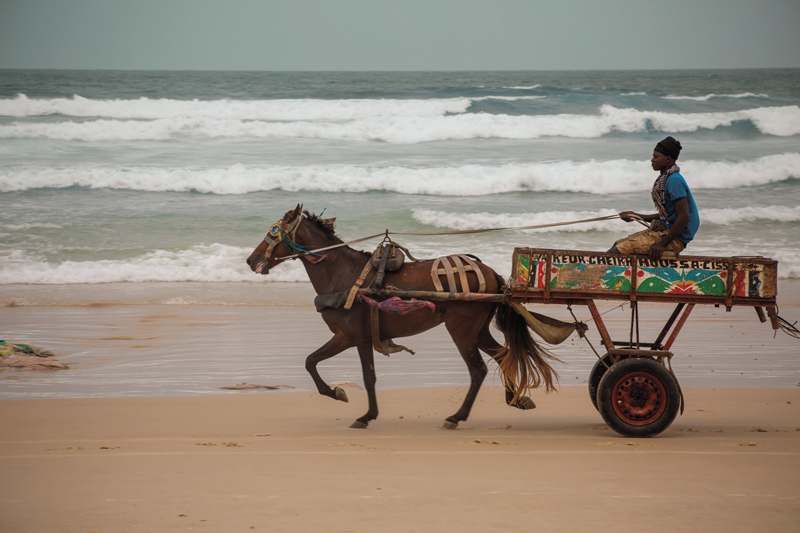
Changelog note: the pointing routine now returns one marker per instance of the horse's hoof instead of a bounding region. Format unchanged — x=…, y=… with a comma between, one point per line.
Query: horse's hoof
x=358, y=424
x=449, y=425
x=523, y=403
x=341, y=395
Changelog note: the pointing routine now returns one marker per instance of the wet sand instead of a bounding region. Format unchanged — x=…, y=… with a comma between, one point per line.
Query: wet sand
x=169, y=339
x=181, y=453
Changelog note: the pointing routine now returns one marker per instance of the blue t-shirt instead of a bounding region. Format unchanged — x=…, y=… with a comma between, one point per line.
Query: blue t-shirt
x=675, y=189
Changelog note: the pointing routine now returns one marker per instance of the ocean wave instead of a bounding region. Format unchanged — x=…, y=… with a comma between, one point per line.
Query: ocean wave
x=287, y=109
x=778, y=121
x=725, y=217
x=474, y=221
x=214, y=263
x=712, y=95
x=525, y=87
x=597, y=177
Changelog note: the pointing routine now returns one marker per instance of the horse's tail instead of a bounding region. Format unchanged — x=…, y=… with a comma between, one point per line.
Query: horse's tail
x=524, y=363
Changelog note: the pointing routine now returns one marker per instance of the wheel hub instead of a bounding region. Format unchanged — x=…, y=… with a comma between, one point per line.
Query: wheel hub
x=639, y=398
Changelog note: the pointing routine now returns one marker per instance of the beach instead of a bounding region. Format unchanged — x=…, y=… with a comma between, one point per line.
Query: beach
x=138, y=434
x=287, y=462
x=131, y=200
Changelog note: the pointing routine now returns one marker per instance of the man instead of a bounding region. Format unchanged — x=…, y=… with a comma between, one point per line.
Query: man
x=677, y=220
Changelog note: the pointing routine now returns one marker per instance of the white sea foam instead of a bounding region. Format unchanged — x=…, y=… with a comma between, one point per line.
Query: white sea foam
x=435, y=120
x=215, y=263
x=525, y=87
x=510, y=98
x=474, y=221
x=725, y=217
x=600, y=177
x=712, y=95
x=287, y=109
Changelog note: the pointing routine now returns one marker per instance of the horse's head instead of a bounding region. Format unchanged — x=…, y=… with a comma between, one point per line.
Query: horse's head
x=273, y=248
x=281, y=242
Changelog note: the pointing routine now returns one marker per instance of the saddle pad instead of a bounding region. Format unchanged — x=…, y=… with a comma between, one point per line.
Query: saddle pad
x=441, y=265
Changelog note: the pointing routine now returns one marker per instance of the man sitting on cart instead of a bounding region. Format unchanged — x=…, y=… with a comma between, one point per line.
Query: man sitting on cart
x=677, y=220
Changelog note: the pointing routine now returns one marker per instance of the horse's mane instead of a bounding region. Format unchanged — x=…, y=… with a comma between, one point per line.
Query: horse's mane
x=326, y=229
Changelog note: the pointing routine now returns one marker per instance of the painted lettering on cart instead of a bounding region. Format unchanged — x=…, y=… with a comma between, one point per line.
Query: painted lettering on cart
x=683, y=264
x=592, y=260
x=643, y=262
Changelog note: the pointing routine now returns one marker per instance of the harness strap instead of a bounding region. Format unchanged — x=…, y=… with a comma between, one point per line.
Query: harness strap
x=461, y=274
x=359, y=282
x=441, y=271
x=388, y=346
x=481, y=279
x=460, y=232
x=448, y=269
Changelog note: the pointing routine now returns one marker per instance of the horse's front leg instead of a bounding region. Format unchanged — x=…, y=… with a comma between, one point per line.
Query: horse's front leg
x=367, y=357
x=336, y=345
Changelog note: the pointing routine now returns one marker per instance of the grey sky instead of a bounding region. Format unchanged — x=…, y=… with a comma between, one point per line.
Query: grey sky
x=398, y=35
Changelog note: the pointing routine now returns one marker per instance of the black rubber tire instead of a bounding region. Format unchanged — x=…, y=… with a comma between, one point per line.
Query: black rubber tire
x=598, y=371
x=638, y=398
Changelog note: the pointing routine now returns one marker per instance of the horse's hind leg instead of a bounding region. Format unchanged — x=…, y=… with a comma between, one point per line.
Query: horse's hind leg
x=367, y=357
x=491, y=347
x=336, y=345
x=468, y=348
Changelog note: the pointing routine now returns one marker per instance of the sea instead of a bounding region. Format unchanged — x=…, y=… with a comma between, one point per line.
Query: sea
x=126, y=178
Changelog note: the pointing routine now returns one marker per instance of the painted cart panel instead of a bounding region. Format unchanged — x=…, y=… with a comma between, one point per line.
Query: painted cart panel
x=565, y=270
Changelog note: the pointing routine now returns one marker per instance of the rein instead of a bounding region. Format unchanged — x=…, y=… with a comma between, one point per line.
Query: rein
x=387, y=232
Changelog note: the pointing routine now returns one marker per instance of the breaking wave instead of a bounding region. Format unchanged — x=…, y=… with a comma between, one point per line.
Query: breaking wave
x=214, y=263
x=287, y=109
x=600, y=177
x=707, y=97
x=392, y=121
x=474, y=221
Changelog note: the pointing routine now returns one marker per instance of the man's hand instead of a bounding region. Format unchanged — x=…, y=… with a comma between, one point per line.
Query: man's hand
x=627, y=216
x=657, y=249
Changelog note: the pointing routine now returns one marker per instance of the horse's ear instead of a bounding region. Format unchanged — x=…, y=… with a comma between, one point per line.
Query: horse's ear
x=298, y=210
x=328, y=223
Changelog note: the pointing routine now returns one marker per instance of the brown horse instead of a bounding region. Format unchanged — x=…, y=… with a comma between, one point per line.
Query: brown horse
x=523, y=364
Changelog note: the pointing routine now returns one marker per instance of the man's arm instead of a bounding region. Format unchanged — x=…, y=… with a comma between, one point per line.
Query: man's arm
x=681, y=220
x=626, y=216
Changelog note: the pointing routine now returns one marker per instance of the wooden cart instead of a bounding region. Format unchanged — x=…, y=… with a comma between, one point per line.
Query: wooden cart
x=632, y=385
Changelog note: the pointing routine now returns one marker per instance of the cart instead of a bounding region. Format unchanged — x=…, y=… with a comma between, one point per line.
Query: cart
x=632, y=385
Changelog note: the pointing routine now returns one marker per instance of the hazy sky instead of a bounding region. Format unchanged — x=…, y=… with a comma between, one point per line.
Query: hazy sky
x=398, y=34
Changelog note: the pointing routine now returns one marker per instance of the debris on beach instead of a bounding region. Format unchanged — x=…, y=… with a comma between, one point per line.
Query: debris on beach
x=248, y=386
x=27, y=356
x=345, y=385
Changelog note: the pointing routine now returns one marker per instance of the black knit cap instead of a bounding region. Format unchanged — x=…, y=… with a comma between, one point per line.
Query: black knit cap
x=670, y=147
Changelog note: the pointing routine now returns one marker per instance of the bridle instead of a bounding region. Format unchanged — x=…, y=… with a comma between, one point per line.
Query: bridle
x=281, y=232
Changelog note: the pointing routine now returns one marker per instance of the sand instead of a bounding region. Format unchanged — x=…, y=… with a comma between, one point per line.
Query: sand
x=208, y=459
x=287, y=462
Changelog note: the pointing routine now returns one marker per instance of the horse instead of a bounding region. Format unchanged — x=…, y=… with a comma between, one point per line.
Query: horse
x=333, y=267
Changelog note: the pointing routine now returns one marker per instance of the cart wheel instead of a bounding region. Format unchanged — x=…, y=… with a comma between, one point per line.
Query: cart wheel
x=599, y=369
x=638, y=397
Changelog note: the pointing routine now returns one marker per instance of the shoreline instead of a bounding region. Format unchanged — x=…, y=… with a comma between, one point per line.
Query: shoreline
x=124, y=348
x=255, y=293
